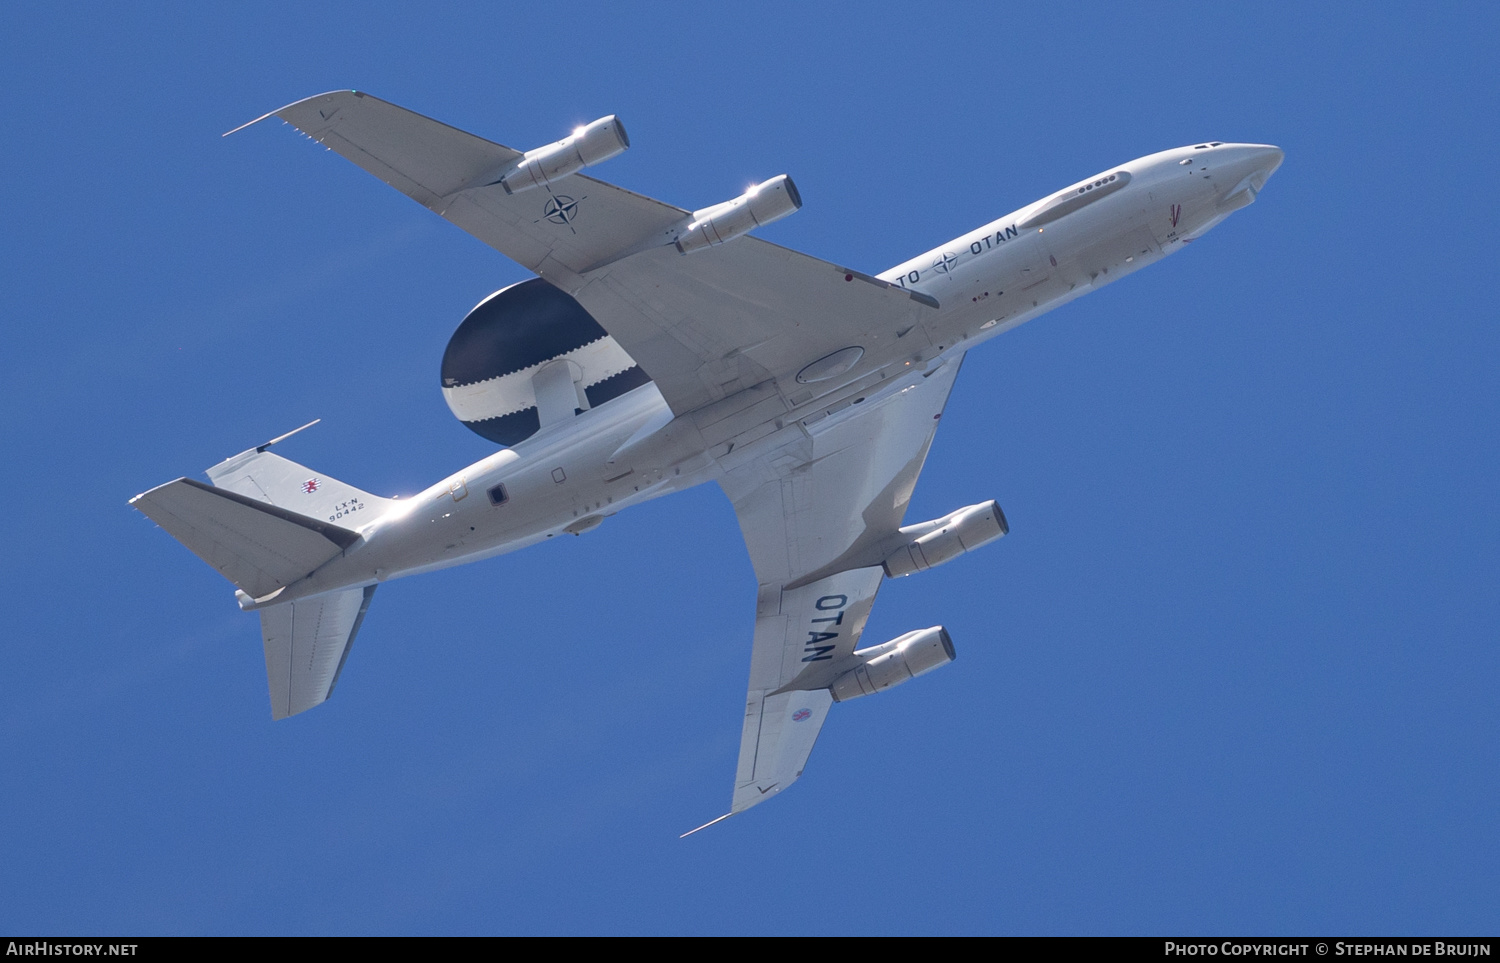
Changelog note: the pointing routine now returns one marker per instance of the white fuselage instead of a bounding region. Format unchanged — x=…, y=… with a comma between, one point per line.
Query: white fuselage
x=569, y=476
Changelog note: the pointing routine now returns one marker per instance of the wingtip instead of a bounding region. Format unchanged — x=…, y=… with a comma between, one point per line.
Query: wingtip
x=277, y=112
x=705, y=825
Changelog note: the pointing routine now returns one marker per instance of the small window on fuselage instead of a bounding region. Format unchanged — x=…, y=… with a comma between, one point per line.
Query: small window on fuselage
x=498, y=495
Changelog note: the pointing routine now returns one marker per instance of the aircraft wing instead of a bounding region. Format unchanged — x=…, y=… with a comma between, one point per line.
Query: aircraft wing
x=703, y=326
x=815, y=514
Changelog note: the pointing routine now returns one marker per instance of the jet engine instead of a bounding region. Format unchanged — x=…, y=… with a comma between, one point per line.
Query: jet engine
x=944, y=539
x=588, y=145
x=884, y=666
x=761, y=204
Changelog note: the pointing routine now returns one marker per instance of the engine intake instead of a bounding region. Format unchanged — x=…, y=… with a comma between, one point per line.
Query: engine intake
x=761, y=204
x=944, y=539
x=588, y=145
x=893, y=663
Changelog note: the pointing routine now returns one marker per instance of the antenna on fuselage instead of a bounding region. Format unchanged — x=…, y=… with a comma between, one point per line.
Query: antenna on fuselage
x=287, y=435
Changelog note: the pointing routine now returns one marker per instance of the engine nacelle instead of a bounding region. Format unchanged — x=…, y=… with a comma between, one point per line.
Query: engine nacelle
x=761, y=204
x=944, y=539
x=588, y=145
x=894, y=662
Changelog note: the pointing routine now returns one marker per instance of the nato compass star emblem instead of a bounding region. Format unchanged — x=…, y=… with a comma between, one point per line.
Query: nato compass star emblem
x=946, y=263
x=562, y=209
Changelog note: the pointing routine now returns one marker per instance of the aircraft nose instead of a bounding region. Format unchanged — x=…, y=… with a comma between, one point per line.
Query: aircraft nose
x=1257, y=162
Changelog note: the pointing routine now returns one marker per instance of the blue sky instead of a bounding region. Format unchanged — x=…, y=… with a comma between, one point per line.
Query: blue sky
x=1233, y=670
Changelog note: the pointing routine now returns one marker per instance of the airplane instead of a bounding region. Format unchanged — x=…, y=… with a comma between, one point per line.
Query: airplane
x=657, y=349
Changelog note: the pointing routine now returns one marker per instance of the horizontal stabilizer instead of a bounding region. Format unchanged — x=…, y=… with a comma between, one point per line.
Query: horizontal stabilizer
x=259, y=547
x=307, y=643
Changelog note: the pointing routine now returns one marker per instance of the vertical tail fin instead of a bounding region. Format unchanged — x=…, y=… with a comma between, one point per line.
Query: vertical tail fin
x=269, y=478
